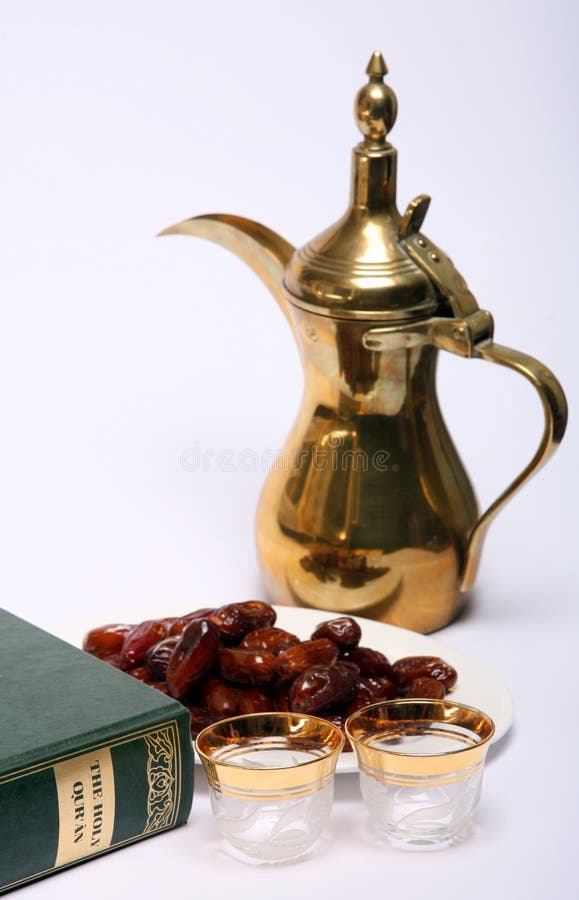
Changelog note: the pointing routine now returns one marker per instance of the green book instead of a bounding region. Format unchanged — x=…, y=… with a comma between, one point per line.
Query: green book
x=90, y=758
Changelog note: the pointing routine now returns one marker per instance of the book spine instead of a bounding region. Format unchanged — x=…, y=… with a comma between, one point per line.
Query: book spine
x=67, y=809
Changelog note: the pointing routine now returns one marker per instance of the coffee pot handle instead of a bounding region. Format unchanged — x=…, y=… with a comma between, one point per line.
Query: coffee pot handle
x=468, y=331
x=472, y=337
x=555, y=411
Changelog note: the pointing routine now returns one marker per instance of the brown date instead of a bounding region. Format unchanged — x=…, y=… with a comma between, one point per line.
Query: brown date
x=106, y=640
x=370, y=689
x=370, y=662
x=200, y=719
x=141, y=673
x=253, y=700
x=193, y=656
x=179, y=625
x=424, y=687
x=410, y=667
x=113, y=659
x=273, y=639
x=139, y=639
x=237, y=619
x=343, y=631
x=246, y=666
x=295, y=660
x=340, y=721
x=321, y=687
x=281, y=697
x=158, y=657
x=218, y=697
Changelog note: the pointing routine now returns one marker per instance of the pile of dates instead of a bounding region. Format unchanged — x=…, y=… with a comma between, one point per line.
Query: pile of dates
x=233, y=660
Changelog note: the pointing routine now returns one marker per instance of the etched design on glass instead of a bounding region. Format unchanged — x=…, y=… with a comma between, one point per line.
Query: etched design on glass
x=285, y=760
x=276, y=830
x=422, y=812
x=161, y=775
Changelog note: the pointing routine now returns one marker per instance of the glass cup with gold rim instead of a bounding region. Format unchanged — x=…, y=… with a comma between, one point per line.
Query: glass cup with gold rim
x=271, y=781
x=421, y=764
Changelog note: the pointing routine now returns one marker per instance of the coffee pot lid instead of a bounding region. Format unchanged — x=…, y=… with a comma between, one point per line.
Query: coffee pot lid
x=360, y=267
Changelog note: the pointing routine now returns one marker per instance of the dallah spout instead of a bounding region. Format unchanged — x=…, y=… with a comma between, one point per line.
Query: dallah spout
x=264, y=251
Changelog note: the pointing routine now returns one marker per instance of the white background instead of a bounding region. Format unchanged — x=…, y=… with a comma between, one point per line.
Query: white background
x=120, y=353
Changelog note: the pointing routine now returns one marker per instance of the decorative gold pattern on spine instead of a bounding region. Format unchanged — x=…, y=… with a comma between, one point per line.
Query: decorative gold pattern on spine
x=161, y=773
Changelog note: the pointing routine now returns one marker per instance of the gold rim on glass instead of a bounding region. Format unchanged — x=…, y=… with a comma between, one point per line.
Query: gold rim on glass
x=221, y=745
x=373, y=728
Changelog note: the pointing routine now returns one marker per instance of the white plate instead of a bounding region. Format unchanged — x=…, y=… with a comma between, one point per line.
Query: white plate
x=477, y=685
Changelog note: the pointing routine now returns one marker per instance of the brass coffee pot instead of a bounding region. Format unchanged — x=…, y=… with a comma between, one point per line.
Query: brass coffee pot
x=368, y=509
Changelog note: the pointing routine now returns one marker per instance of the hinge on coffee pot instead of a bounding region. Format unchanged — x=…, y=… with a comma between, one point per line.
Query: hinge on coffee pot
x=468, y=328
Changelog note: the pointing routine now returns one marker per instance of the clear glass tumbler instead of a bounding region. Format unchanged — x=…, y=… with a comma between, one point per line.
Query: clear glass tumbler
x=271, y=781
x=421, y=764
